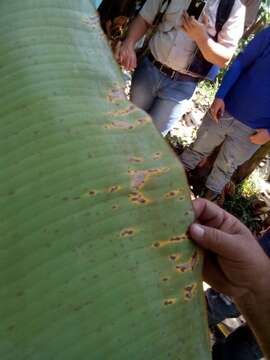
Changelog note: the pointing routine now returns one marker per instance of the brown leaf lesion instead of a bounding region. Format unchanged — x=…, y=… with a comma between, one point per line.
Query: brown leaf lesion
x=157, y=156
x=127, y=232
x=123, y=111
x=189, y=265
x=140, y=177
x=190, y=291
x=135, y=159
x=170, y=301
x=117, y=94
x=114, y=188
x=119, y=124
x=177, y=193
x=138, y=198
x=175, y=257
x=176, y=239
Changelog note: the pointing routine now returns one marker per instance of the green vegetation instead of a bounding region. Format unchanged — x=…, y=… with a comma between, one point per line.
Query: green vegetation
x=240, y=204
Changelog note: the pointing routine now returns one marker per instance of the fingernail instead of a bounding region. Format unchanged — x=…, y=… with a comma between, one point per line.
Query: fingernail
x=198, y=230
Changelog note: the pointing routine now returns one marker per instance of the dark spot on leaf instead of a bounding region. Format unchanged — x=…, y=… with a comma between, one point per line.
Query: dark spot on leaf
x=127, y=232
x=189, y=291
x=138, y=198
x=135, y=159
x=169, y=302
x=114, y=188
x=190, y=265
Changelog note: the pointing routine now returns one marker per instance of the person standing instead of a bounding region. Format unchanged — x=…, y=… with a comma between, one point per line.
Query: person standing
x=239, y=117
x=182, y=51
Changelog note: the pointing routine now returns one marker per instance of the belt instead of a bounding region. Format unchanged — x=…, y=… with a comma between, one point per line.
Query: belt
x=174, y=75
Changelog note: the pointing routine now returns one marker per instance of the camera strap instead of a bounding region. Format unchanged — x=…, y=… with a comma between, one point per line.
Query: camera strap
x=223, y=13
x=162, y=11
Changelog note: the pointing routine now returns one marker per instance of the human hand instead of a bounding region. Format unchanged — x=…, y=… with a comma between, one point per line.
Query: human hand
x=217, y=109
x=261, y=137
x=195, y=29
x=126, y=55
x=234, y=262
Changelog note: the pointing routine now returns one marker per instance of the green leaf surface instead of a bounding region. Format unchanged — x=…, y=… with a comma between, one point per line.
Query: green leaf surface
x=94, y=260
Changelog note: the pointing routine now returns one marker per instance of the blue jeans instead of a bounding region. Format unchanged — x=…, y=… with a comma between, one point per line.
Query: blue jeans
x=163, y=98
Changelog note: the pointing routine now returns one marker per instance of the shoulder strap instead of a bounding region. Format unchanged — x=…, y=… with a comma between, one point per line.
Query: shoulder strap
x=223, y=13
x=161, y=12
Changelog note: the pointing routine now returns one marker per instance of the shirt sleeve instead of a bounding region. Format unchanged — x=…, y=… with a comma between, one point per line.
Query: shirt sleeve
x=229, y=79
x=233, y=29
x=149, y=10
x=255, y=48
x=249, y=55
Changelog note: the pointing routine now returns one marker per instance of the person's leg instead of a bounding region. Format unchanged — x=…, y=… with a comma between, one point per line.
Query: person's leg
x=235, y=150
x=165, y=113
x=209, y=136
x=171, y=102
x=145, y=81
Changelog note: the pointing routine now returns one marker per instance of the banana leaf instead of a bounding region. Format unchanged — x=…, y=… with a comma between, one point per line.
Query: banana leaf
x=95, y=262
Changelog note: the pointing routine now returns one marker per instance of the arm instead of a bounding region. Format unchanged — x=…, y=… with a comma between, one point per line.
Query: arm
x=252, y=51
x=230, y=79
x=218, y=107
x=220, y=50
x=126, y=54
x=256, y=310
x=212, y=51
x=137, y=29
x=235, y=264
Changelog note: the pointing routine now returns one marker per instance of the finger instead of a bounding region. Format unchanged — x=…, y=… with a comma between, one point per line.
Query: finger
x=121, y=57
x=214, y=276
x=134, y=62
x=128, y=63
x=222, y=109
x=208, y=213
x=213, y=113
x=205, y=19
x=212, y=215
x=117, y=51
x=192, y=21
x=219, y=242
x=184, y=23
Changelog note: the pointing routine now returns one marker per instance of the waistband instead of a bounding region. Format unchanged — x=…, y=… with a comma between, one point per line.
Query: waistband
x=173, y=74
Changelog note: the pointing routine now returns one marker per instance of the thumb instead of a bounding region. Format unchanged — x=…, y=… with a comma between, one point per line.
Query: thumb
x=212, y=239
x=205, y=19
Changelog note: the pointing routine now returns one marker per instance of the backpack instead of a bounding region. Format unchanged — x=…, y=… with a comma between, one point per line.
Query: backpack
x=199, y=64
